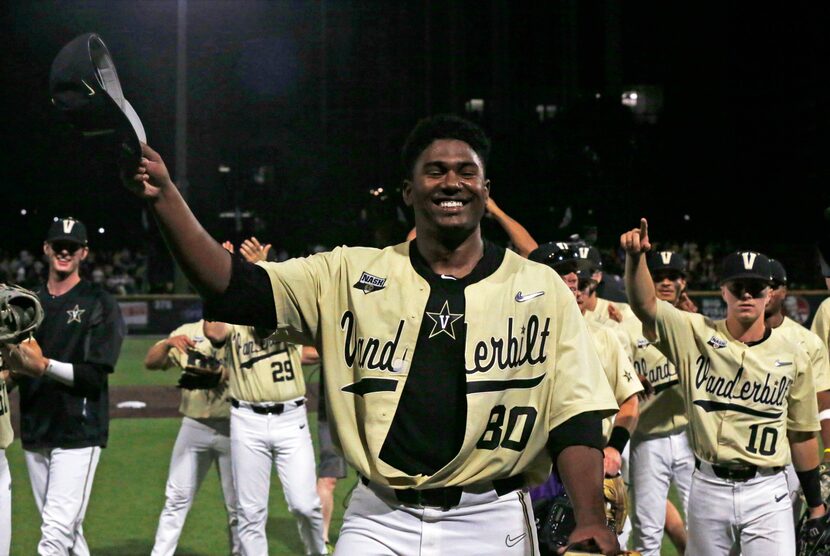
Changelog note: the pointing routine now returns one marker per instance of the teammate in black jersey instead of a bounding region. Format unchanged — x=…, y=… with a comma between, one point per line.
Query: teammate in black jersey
x=62, y=375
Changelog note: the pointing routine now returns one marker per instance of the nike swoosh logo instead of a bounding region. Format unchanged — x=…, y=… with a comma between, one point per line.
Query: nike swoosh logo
x=90, y=89
x=779, y=498
x=511, y=542
x=522, y=298
x=782, y=363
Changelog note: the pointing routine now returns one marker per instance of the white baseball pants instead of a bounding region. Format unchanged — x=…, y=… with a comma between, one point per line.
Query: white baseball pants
x=5, y=505
x=199, y=444
x=257, y=443
x=753, y=518
x=376, y=524
x=655, y=464
x=61, y=483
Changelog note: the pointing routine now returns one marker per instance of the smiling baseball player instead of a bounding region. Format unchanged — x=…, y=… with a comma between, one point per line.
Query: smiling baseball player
x=749, y=396
x=451, y=364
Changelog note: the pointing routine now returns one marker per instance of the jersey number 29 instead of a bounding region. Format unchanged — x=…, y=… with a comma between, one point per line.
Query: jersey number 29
x=282, y=371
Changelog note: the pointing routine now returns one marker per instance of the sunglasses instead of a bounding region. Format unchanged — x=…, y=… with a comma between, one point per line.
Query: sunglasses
x=672, y=275
x=754, y=288
x=68, y=246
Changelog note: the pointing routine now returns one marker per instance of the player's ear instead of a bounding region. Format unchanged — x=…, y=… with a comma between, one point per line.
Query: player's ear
x=46, y=248
x=487, y=186
x=406, y=190
x=84, y=252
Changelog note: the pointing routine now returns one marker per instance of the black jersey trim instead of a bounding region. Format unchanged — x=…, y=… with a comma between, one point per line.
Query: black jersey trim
x=665, y=386
x=499, y=385
x=250, y=362
x=368, y=385
x=710, y=406
x=490, y=261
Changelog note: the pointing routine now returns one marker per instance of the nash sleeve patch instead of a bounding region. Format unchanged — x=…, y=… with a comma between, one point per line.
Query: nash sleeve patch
x=369, y=283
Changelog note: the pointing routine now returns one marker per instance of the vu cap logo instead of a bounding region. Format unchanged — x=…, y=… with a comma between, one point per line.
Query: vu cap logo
x=749, y=259
x=665, y=256
x=68, y=224
x=583, y=252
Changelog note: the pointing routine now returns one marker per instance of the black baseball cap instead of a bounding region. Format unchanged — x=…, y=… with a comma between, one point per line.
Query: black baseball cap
x=589, y=254
x=67, y=229
x=85, y=90
x=746, y=265
x=777, y=272
x=666, y=260
x=560, y=256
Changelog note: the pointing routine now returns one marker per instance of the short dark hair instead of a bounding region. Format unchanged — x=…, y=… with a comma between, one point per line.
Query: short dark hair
x=443, y=126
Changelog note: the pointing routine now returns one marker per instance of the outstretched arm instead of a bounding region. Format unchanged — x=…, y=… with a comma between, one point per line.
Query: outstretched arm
x=804, y=450
x=517, y=233
x=205, y=263
x=638, y=283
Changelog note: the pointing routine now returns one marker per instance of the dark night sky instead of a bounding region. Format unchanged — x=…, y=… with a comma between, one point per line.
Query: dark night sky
x=327, y=101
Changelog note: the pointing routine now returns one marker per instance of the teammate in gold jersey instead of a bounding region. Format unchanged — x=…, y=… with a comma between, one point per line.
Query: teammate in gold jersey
x=203, y=439
x=750, y=401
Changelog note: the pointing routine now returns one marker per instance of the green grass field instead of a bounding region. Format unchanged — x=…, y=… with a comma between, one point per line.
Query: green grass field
x=128, y=493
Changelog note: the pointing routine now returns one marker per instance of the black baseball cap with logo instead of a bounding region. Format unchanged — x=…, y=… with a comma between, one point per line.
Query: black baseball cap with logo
x=746, y=265
x=666, y=261
x=778, y=273
x=67, y=229
x=560, y=256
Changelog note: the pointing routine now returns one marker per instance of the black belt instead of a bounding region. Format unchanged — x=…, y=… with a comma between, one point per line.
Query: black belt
x=274, y=409
x=448, y=497
x=736, y=472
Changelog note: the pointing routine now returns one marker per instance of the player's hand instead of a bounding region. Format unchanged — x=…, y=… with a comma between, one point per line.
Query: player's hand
x=228, y=246
x=25, y=358
x=180, y=342
x=253, y=251
x=150, y=177
x=614, y=313
x=636, y=242
x=595, y=538
x=611, y=461
x=686, y=304
x=492, y=210
x=648, y=388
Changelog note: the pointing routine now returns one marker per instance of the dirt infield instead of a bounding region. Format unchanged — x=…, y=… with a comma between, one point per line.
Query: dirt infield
x=161, y=401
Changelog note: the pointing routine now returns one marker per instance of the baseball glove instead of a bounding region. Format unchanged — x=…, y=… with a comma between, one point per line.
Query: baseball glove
x=554, y=523
x=824, y=477
x=20, y=314
x=616, y=502
x=813, y=536
x=200, y=364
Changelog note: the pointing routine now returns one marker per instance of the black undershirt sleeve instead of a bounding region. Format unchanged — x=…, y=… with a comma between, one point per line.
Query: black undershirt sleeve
x=89, y=378
x=248, y=300
x=584, y=429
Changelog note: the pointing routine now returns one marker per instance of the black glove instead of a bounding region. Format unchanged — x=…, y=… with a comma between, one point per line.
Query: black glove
x=813, y=536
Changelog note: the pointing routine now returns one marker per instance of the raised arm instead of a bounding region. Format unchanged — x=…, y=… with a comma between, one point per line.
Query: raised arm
x=205, y=263
x=517, y=233
x=638, y=283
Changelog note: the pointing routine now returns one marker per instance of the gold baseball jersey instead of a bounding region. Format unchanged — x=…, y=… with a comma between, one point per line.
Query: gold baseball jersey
x=6, y=433
x=740, y=399
x=527, y=363
x=815, y=348
x=663, y=412
x=263, y=370
x=618, y=369
x=623, y=330
x=821, y=322
x=200, y=404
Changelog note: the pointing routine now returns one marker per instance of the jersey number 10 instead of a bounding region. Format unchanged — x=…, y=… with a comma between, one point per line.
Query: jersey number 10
x=766, y=446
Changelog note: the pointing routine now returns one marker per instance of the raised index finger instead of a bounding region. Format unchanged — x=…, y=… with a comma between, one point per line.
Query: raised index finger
x=643, y=227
